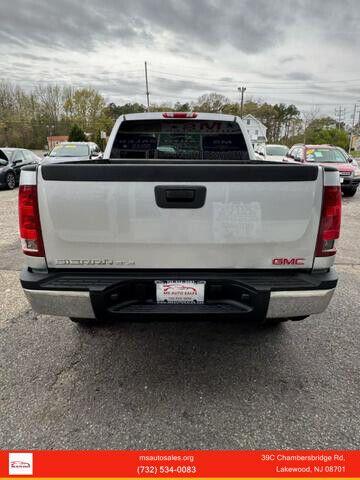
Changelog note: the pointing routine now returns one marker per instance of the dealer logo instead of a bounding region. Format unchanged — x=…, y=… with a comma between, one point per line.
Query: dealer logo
x=20, y=463
x=169, y=288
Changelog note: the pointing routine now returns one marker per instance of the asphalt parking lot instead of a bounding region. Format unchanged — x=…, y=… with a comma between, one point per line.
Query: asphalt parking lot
x=179, y=385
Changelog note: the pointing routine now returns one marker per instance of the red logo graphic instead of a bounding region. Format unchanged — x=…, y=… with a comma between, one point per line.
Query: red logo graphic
x=179, y=288
x=288, y=261
x=19, y=464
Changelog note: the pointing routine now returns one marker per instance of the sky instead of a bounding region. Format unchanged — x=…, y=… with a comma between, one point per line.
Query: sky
x=304, y=52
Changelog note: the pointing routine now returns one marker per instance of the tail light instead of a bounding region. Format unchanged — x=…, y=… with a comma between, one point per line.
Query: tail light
x=180, y=115
x=29, y=222
x=330, y=221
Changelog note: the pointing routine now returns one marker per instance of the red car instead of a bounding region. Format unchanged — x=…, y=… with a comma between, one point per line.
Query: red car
x=328, y=155
x=19, y=464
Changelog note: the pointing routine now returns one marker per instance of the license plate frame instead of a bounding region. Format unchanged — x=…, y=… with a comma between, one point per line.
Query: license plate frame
x=180, y=291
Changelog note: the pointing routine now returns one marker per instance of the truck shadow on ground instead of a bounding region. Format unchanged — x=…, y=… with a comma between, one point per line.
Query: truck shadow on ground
x=175, y=357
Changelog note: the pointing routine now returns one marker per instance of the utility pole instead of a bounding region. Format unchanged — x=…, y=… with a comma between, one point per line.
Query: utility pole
x=352, y=127
x=242, y=90
x=340, y=114
x=50, y=134
x=147, y=87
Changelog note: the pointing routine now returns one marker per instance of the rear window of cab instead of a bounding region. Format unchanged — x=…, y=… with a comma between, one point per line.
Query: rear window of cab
x=180, y=139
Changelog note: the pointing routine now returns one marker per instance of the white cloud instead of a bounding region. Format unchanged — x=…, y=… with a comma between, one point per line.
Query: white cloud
x=302, y=52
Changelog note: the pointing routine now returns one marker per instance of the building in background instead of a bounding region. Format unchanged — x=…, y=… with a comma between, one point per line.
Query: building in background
x=255, y=129
x=55, y=140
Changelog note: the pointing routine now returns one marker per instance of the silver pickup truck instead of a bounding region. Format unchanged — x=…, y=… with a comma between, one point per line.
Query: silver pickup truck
x=178, y=219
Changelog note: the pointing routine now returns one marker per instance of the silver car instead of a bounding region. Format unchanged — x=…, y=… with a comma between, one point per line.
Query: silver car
x=86, y=150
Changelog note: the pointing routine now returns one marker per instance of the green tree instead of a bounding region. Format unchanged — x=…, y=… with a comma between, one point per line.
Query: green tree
x=211, y=102
x=161, y=107
x=232, y=109
x=27, y=117
x=99, y=141
x=323, y=130
x=85, y=107
x=322, y=123
x=76, y=134
x=182, y=107
x=332, y=136
x=114, y=111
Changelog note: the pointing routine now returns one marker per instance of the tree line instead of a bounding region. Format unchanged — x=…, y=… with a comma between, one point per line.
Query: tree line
x=28, y=117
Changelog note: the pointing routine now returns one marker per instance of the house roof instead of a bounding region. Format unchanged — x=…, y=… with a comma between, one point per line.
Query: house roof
x=254, y=118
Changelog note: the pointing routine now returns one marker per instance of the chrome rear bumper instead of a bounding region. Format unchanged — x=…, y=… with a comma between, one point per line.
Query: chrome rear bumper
x=284, y=304
x=298, y=304
x=61, y=303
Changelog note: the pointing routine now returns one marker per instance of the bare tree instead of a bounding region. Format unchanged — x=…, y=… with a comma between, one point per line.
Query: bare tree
x=50, y=98
x=309, y=116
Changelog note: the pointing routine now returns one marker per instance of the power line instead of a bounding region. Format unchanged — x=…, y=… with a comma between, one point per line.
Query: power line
x=304, y=81
x=233, y=69
x=340, y=115
x=257, y=82
x=303, y=87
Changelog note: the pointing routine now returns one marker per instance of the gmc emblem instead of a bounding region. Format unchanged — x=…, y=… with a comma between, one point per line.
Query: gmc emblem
x=288, y=261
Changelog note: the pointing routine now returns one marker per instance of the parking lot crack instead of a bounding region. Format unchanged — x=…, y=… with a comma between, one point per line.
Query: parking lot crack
x=67, y=373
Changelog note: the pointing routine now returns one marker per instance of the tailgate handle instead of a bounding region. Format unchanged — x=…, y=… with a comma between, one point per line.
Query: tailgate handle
x=180, y=196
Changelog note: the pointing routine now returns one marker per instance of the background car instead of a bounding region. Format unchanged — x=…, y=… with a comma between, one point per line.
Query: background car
x=274, y=153
x=347, y=155
x=11, y=161
x=329, y=155
x=86, y=150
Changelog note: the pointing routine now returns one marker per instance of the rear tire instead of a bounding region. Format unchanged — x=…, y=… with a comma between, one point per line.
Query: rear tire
x=10, y=181
x=349, y=191
x=273, y=322
x=298, y=319
x=85, y=322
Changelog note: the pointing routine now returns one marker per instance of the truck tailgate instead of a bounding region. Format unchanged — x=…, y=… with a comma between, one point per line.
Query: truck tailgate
x=146, y=215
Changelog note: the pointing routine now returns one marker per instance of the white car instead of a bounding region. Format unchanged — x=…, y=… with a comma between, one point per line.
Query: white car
x=85, y=150
x=274, y=153
x=179, y=220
